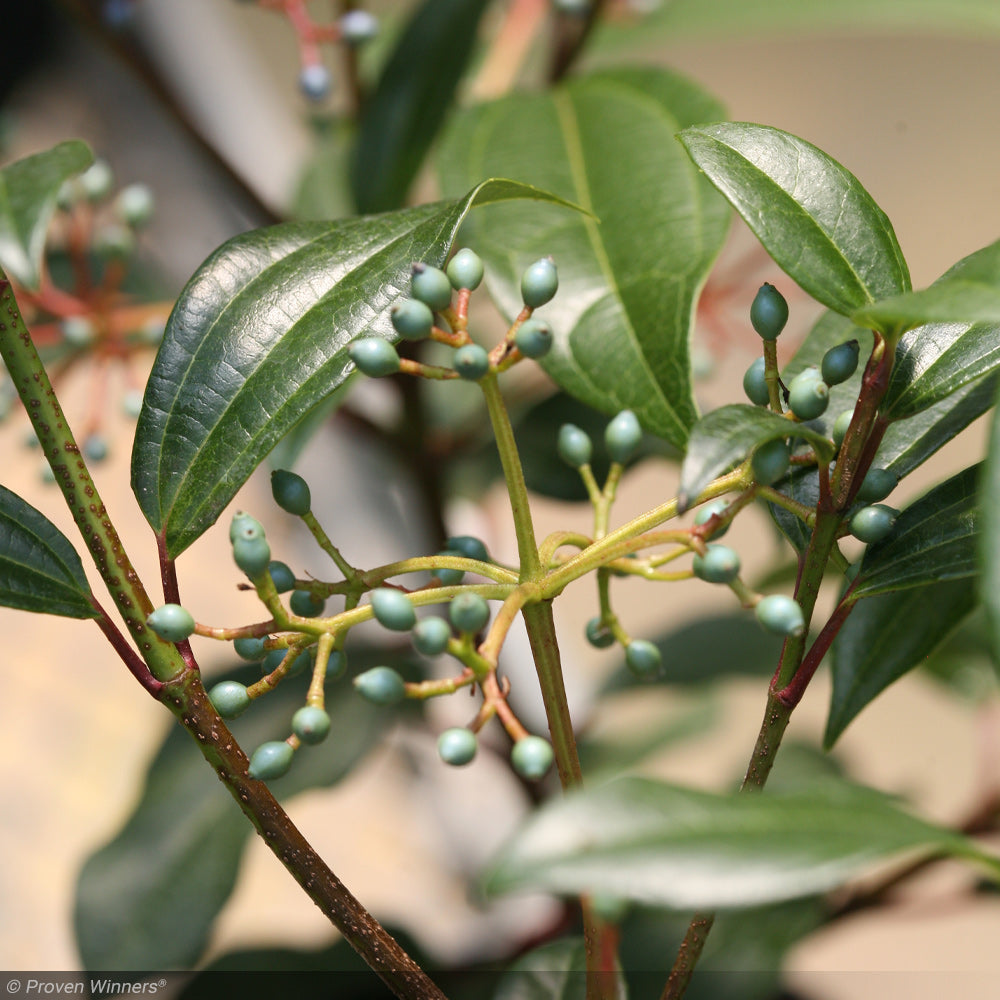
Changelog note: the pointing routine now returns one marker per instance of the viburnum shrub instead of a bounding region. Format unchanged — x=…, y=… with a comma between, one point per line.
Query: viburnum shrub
x=280, y=320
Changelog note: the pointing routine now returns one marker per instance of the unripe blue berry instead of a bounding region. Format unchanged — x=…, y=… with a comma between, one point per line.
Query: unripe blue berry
x=468, y=612
x=531, y=757
x=311, y=724
x=270, y=760
x=381, y=686
x=97, y=181
x=315, y=81
x=457, y=746
x=230, y=699
x=533, y=338
x=306, y=604
x=840, y=426
x=374, y=356
x=244, y=526
x=469, y=546
x=431, y=635
x=357, y=27
x=598, y=635
x=134, y=205
x=643, y=658
x=768, y=312
x=465, y=269
x=431, y=286
x=780, y=614
x=770, y=462
x=622, y=436
x=840, y=362
x=132, y=403
x=707, y=511
x=872, y=524
x=877, y=485
x=95, y=447
x=539, y=283
x=808, y=394
x=412, y=319
x=448, y=577
x=471, y=362
x=281, y=575
x=755, y=383
x=392, y=609
x=574, y=445
x=250, y=648
x=252, y=555
x=336, y=665
x=171, y=622
x=291, y=492
x=719, y=564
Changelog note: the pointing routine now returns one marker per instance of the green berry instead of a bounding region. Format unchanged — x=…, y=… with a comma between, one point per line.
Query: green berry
x=643, y=658
x=719, y=564
x=872, y=524
x=457, y=746
x=374, y=356
x=431, y=635
x=531, y=757
x=357, y=27
x=270, y=760
x=468, y=546
x=706, y=512
x=97, y=181
x=282, y=575
x=336, y=665
x=132, y=403
x=95, y=447
x=840, y=362
x=276, y=657
x=449, y=577
x=392, y=609
x=877, y=485
x=780, y=614
x=381, y=685
x=300, y=664
x=431, y=286
x=465, y=269
x=78, y=331
x=134, y=205
x=290, y=492
x=250, y=648
x=622, y=436
x=171, y=622
x=599, y=635
x=306, y=604
x=412, y=319
x=315, y=81
x=471, y=362
x=768, y=312
x=755, y=383
x=808, y=394
x=539, y=283
x=273, y=660
x=311, y=724
x=230, y=699
x=252, y=555
x=468, y=612
x=534, y=338
x=840, y=426
x=244, y=526
x=770, y=462
x=574, y=445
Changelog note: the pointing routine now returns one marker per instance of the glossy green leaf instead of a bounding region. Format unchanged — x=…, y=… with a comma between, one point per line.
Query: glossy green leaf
x=28, y=192
x=174, y=863
x=934, y=539
x=989, y=552
x=670, y=846
x=726, y=436
x=554, y=971
x=885, y=637
x=812, y=216
x=630, y=274
x=39, y=568
x=260, y=336
x=401, y=118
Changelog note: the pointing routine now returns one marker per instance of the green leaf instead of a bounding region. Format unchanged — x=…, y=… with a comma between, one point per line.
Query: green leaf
x=28, y=192
x=812, y=216
x=554, y=971
x=400, y=120
x=630, y=274
x=934, y=539
x=727, y=435
x=260, y=336
x=885, y=637
x=39, y=568
x=670, y=846
x=989, y=552
x=174, y=863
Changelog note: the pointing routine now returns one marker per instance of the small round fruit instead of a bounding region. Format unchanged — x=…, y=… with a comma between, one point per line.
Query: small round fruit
x=412, y=319
x=273, y=660
x=531, y=757
x=599, y=635
x=707, y=511
x=574, y=445
x=449, y=577
x=244, y=526
x=134, y=204
x=780, y=614
x=622, y=436
x=306, y=604
x=840, y=362
x=381, y=686
x=374, y=356
x=230, y=699
x=97, y=181
x=357, y=27
x=877, y=485
x=392, y=609
x=281, y=575
x=643, y=658
x=840, y=426
x=336, y=665
x=291, y=492
x=95, y=447
x=431, y=286
x=872, y=524
x=315, y=81
x=719, y=564
x=768, y=312
x=252, y=555
x=534, y=338
x=171, y=622
x=755, y=384
x=539, y=283
x=300, y=664
x=808, y=395
x=465, y=269
x=457, y=746
x=770, y=461
x=468, y=612
x=311, y=724
x=250, y=648
x=431, y=635
x=78, y=331
x=471, y=362
x=270, y=760
x=468, y=546
x=132, y=403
